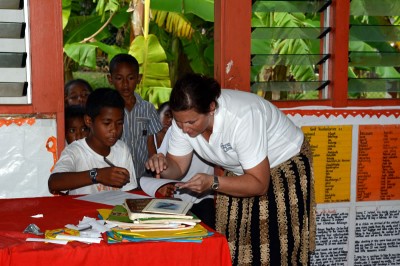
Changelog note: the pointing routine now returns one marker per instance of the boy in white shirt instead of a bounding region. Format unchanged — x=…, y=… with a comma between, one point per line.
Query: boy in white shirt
x=101, y=161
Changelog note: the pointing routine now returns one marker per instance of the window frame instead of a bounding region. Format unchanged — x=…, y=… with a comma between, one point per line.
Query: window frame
x=232, y=36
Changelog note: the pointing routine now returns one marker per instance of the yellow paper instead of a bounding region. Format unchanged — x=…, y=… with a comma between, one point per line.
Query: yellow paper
x=331, y=147
x=104, y=213
x=51, y=234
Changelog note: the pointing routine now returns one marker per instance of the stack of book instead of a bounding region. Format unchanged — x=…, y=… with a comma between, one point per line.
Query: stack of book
x=155, y=220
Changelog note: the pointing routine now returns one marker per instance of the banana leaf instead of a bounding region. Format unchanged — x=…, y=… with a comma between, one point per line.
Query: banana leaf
x=66, y=11
x=86, y=29
x=153, y=66
x=121, y=17
x=158, y=95
x=200, y=52
x=85, y=53
x=82, y=53
x=201, y=8
x=110, y=50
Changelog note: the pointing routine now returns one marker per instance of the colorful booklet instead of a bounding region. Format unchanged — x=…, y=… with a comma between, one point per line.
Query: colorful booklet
x=157, y=208
x=168, y=206
x=120, y=214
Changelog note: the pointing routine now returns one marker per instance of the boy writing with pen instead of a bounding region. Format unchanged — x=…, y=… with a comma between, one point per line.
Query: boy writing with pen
x=100, y=161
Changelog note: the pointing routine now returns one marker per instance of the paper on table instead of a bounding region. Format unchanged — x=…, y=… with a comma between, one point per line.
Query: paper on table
x=78, y=238
x=54, y=241
x=112, y=197
x=150, y=184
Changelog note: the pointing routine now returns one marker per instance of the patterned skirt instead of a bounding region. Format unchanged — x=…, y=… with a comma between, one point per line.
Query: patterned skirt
x=279, y=227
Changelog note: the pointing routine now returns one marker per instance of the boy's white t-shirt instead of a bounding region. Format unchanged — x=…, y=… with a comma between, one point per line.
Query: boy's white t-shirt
x=78, y=157
x=196, y=166
x=246, y=130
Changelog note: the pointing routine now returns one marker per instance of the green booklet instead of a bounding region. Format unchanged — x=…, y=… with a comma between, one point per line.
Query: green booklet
x=119, y=214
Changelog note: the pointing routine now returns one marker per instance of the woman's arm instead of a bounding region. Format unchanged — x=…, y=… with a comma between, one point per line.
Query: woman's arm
x=170, y=166
x=254, y=182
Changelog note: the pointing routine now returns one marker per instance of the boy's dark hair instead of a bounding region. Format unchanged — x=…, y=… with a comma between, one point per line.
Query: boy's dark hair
x=73, y=111
x=123, y=58
x=103, y=97
x=162, y=106
x=74, y=82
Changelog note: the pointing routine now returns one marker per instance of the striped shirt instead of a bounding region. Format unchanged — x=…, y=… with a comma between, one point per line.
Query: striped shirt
x=139, y=123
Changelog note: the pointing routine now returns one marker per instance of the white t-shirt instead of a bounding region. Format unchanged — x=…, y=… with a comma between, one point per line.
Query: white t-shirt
x=197, y=166
x=78, y=157
x=246, y=130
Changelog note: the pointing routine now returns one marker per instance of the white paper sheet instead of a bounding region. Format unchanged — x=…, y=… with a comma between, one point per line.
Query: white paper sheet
x=112, y=197
x=150, y=184
x=54, y=241
x=79, y=238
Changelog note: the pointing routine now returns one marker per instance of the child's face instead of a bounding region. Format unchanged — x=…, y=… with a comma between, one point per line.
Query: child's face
x=105, y=129
x=125, y=79
x=75, y=129
x=166, y=119
x=77, y=95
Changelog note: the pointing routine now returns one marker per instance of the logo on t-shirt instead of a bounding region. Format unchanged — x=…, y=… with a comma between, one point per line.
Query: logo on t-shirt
x=226, y=147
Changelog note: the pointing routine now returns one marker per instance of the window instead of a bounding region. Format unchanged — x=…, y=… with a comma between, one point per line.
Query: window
x=14, y=53
x=287, y=48
x=374, y=45
x=326, y=52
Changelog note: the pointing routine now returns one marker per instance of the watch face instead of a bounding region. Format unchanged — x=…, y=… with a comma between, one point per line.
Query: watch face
x=215, y=184
x=93, y=175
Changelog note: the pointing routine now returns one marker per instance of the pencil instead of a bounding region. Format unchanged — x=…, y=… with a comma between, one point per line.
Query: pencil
x=108, y=162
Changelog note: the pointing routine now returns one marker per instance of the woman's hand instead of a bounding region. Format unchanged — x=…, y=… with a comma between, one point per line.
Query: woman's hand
x=167, y=190
x=198, y=183
x=157, y=163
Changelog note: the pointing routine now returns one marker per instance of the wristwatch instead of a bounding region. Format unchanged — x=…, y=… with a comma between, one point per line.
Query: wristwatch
x=215, y=184
x=93, y=175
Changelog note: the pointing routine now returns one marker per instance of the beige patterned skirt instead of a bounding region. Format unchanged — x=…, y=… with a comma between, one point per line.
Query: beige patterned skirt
x=279, y=227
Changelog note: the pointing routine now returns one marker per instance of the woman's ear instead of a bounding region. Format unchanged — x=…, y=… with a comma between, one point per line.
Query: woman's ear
x=212, y=107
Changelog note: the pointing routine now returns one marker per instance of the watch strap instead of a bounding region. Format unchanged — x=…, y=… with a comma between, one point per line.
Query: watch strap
x=93, y=175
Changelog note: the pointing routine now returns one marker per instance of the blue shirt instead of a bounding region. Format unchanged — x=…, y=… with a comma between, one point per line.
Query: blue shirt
x=139, y=123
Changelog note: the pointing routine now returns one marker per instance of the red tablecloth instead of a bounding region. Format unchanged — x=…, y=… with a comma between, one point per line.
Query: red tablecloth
x=15, y=216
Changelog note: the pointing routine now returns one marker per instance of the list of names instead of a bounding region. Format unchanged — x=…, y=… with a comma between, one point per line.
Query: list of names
x=378, y=175
x=331, y=147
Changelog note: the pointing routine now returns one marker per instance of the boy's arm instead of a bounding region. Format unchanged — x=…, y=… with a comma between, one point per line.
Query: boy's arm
x=67, y=181
x=109, y=176
x=151, y=145
x=155, y=126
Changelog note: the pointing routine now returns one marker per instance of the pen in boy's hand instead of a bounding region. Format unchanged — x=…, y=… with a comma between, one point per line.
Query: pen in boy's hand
x=108, y=162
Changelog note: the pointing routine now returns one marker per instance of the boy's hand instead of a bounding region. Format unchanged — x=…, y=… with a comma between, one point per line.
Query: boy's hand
x=167, y=190
x=113, y=176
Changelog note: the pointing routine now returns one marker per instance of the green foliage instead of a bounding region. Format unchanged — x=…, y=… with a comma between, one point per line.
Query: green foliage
x=84, y=41
x=106, y=5
x=203, y=9
x=82, y=53
x=66, y=11
x=153, y=66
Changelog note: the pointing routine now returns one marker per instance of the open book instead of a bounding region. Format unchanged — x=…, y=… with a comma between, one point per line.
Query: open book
x=157, y=208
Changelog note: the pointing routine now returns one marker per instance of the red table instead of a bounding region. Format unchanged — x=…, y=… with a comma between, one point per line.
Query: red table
x=15, y=216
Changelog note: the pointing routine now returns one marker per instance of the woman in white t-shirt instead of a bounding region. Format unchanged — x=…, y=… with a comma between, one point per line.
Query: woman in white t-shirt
x=203, y=203
x=265, y=203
